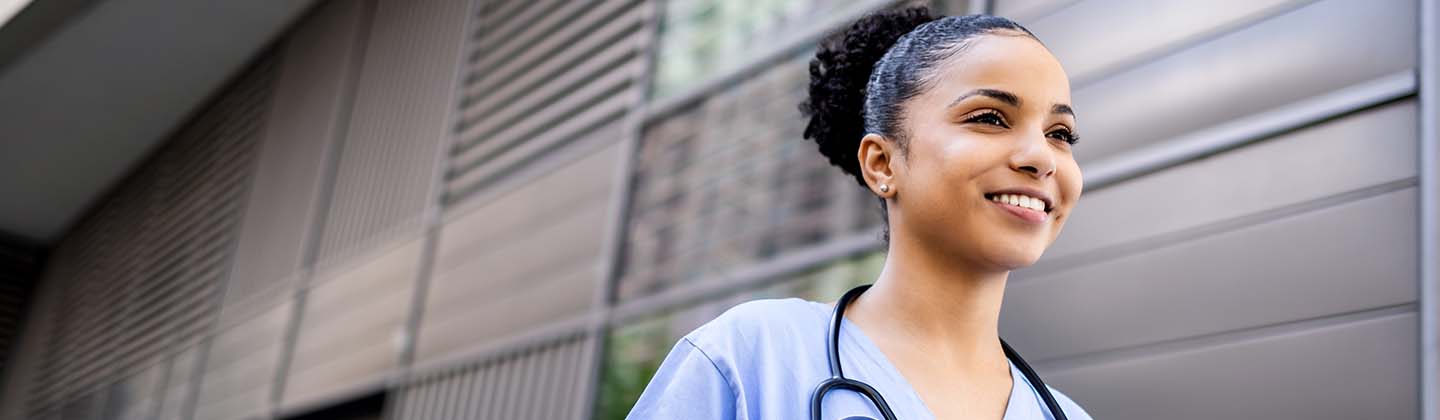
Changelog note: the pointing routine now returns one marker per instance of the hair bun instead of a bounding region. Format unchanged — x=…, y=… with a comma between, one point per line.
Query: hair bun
x=838, y=76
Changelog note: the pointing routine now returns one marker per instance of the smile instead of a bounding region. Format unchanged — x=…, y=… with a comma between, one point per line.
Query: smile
x=1026, y=208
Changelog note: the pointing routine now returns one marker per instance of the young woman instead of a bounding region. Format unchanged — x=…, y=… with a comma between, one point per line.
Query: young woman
x=962, y=126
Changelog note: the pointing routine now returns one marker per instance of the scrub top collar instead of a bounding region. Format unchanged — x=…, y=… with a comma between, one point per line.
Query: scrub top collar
x=1022, y=404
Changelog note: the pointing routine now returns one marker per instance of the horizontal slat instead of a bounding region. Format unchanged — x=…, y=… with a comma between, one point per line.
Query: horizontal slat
x=567, y=74
x=1242, y=131
x=529, y=94
x=1357, y=256
x=1361, y=369
x=256, y=370
x=505, y=41
x=367, y=324
x=529, y=117
x=349, y=325
x=598, y=121
x=501, y=17
x=1150, y=28
x=588, y=180
x=194, y=289
x=1362, y=150
x=531, y=382
x=245, y=404
x=1263, y=66
x=347, y=369
x=585, y=47
x=182, y=277
x=159, y=331
x=534, y=79
x=596, y=24
x=177, y=239
x=249, y=380
x=561, y=246
x=565, y=295
x=263, y=330
x=393, y=271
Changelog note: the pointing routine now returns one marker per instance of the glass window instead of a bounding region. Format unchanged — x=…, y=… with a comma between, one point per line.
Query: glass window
x=634, y=351
x=704, y=38
x=729, y=182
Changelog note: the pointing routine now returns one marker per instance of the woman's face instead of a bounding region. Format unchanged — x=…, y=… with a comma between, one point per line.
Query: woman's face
x=996, y=120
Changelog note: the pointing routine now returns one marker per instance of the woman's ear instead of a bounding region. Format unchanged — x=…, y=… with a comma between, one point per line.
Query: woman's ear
x=877, y=156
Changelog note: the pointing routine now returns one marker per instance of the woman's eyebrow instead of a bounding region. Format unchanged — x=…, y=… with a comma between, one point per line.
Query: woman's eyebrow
x=1010, y=99
x=1002, y=96
x=1062, y=109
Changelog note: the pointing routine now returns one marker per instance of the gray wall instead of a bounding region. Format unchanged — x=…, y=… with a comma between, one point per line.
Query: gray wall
x=1272, y=271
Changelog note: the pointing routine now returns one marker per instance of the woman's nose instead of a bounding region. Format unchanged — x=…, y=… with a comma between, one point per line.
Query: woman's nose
x=1034, y=157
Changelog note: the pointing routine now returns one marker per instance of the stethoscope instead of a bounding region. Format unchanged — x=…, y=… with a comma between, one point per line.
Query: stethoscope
x=838, y=380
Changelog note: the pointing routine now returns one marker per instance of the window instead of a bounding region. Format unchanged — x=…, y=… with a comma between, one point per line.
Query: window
x=634, y=351
x=728, y=182
x=700, y=39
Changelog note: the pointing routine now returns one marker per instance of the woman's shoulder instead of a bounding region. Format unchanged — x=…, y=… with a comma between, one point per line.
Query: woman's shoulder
x=744, y=362
x=760, y=323
x=1073, y=411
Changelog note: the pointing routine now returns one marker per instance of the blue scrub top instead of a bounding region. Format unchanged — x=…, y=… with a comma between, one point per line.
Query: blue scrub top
x=761, y=360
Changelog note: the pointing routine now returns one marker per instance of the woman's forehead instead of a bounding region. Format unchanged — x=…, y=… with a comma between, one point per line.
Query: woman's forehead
x=1012, y=63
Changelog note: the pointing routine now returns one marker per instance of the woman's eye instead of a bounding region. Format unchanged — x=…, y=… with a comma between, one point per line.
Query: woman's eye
x=988, y=118
x=1065, y=135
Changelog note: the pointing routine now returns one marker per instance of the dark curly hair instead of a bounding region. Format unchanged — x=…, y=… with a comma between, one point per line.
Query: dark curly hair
x=862, y=76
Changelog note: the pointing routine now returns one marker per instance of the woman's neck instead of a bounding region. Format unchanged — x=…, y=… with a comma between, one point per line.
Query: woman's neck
x=936, y=304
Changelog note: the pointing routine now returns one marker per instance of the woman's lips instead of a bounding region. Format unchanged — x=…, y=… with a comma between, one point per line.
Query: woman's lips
x=1024, y=214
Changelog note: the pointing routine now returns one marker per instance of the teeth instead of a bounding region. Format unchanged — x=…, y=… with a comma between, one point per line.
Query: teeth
x=1020, y=200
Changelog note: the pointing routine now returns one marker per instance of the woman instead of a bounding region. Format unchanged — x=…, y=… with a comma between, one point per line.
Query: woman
x=962, y=127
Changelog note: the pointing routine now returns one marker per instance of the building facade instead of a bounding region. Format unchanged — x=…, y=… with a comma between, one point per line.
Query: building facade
x=437, y=209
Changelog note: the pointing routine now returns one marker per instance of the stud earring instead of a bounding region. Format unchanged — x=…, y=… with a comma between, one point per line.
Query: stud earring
x=884, y=188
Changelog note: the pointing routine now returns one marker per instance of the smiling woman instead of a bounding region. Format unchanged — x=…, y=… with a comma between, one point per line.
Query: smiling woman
x=963, y=129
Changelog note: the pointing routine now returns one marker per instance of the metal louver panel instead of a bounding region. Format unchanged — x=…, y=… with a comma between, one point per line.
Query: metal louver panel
x=142, y=273
x=385, y=175
x=540, y=76
x=19, y=268
x=726, y=182
x=316, y=75
x=538, y=383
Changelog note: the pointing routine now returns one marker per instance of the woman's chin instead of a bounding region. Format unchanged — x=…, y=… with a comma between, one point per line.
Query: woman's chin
x=1016, y=258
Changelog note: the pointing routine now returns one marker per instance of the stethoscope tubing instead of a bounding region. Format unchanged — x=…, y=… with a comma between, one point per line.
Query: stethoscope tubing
x=837, y=379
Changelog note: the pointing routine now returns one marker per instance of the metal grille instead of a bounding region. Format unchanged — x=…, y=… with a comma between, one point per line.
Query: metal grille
x=541, y=75
x=141, y=274
x=385, y=176
x=296, y=157
x=537, y=383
